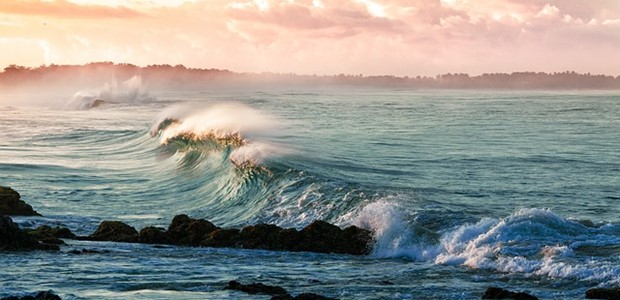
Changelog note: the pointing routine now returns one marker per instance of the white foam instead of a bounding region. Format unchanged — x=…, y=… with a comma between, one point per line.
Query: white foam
x=529, y=241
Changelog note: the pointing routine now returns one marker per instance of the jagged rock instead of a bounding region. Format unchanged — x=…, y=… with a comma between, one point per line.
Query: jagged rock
x=603, y=293
x=256, y=288
x=187, y=231
x=12, y=205
x=14, y=239
x=153, y=235
x=48, y=295
x=114, y=231
x=499, y=293
x=222, y=238
x=323, y=237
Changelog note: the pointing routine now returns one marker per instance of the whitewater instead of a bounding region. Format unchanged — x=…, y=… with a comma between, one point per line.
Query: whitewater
x=463, y=189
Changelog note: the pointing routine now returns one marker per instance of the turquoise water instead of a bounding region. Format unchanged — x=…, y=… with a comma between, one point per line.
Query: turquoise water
x=464, y=189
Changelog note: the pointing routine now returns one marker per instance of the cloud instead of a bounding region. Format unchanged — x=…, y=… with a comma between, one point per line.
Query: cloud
x=402, y=37
x=64, y=9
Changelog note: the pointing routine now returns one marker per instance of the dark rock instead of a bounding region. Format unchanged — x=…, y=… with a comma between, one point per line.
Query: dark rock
x=222, y=238
x=48, y=295
x=189, y=232
x=312, y=296
x=256, y=288
x=498, y=293
x=323, y=237
x=12, y=205
x=114, y=231
x=87, y=251
x=14, y=239
x=153, y=235
x=49, y=235
x=269, y=237
x=603, y=293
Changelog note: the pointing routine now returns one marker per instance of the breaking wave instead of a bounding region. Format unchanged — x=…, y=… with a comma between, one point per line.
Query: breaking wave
x=533, y=242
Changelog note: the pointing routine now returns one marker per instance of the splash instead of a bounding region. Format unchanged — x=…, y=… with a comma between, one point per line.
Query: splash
x=129, y=91
x=529, y=241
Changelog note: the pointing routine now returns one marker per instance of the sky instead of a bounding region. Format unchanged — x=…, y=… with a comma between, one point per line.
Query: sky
x=370, y=37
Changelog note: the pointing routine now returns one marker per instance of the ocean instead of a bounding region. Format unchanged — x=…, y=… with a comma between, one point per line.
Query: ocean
x=463, y=190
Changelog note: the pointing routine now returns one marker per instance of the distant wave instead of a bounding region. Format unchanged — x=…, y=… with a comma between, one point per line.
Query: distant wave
x=129, y=91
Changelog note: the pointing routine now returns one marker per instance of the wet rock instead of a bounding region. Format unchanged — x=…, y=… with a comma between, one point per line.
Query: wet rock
x=499, y=293
x=189, y=232
x=269, y=237
x=114, y=231
x=222, y=238
x=153, y=235
x=51, y=235
x=48, y=295
x=323, y=237
x=603, y=293
x=256, y=288
x=14, y=239
x=12, y=205
x=87, y=251
x=304, y=296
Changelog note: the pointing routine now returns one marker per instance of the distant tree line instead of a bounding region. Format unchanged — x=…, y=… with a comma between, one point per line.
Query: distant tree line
x=181, y=77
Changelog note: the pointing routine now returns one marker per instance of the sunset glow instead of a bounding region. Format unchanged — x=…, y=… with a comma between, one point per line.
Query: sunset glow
x=419, y=37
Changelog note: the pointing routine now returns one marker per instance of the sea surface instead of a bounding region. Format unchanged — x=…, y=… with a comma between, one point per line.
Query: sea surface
x=463, y=189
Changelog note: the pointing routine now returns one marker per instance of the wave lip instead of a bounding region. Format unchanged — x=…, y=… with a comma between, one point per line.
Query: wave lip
x=243, y=132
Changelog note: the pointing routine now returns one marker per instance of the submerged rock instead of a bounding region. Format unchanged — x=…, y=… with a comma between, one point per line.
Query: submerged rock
x=14, y=239
x=499, y=293
x=303, y=296
x=47, y=295
x=114, y=231
x=603, y=293
x=12, y=205
x=256, y=288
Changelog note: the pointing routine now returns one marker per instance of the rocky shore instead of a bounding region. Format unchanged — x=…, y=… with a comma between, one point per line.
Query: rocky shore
x=319, y=236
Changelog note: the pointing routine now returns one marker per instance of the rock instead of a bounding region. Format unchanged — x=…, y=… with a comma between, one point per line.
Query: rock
x=153, y=235
x=498, y=293
x=114, y=231
x=48, y=295
x=603, y=293
x=222, y=238
x=12, y=205
x=43, y=233
x=304, y=296
x=87, y=251
x=14, y=239
x=256, y=288
x=323, y=237
x=189, y=232
x=269, y=237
